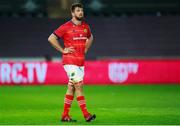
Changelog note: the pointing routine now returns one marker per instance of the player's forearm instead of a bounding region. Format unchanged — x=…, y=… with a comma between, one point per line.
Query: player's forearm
x=56, y=45
x=88, y=43
x=54, y=42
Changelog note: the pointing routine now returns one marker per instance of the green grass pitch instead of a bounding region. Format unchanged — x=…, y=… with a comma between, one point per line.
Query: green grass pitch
x=133, y=104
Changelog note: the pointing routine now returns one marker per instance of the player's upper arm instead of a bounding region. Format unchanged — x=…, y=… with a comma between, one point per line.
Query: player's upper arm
x=52, y=37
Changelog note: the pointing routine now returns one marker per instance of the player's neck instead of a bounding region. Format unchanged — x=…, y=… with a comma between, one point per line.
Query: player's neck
x=76, y=22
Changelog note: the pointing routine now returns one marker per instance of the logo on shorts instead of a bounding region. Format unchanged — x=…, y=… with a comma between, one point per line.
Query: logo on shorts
x=72, y=74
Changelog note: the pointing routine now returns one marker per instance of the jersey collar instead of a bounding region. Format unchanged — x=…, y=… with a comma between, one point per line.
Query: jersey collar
x=76, y=24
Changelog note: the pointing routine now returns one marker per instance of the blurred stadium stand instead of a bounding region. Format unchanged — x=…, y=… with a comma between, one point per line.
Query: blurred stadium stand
x=122, y=28
x=19, y=8
x=94, y=7
x=131, y=7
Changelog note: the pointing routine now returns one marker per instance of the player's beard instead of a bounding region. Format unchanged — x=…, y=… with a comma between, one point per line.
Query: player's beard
x=79, y=18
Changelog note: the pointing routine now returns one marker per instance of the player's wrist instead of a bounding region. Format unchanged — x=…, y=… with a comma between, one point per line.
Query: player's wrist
x=65, y=50
x=61, y=50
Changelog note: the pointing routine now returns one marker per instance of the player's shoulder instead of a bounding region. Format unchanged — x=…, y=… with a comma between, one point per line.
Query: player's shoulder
x=68, y=23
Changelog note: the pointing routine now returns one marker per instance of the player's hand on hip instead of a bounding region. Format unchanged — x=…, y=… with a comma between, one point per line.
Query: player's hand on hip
x=68, y=50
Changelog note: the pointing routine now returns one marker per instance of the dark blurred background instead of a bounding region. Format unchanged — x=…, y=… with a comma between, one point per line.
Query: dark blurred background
x=121, y=28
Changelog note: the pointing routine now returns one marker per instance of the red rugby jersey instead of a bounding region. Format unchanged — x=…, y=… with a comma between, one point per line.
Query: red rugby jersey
x=74, y=36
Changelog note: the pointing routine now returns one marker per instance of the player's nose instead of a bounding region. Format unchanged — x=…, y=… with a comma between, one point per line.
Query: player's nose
x=81, y=13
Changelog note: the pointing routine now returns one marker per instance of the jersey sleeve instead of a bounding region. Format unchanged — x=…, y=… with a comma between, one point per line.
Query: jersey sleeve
x=59, y=32
x=88, y=32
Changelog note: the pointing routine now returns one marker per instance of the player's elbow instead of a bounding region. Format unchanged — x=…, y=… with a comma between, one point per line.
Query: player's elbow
x=91, y=38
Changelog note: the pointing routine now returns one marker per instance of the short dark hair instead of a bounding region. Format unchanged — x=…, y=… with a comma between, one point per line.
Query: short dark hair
x=74, y=5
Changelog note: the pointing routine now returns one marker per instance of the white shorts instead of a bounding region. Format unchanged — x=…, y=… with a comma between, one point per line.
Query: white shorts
x=74, y=73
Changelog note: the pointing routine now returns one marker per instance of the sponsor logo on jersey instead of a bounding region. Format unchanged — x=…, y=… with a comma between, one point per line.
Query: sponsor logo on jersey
x=79, y=38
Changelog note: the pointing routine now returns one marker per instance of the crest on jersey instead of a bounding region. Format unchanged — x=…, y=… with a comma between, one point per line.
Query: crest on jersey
x=85, y=30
